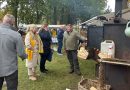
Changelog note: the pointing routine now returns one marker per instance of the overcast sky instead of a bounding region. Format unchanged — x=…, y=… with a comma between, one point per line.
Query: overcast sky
x=3, y=4
x=111, y=3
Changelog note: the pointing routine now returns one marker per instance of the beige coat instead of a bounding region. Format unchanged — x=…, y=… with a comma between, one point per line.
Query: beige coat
x=32, y=63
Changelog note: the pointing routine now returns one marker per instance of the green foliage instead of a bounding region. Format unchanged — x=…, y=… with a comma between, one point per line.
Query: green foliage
x=55, y=11
x=108, y=10
x=1, y=15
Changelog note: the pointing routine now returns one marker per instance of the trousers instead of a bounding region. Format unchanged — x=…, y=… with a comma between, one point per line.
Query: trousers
x=11, y=81
x=73, y=59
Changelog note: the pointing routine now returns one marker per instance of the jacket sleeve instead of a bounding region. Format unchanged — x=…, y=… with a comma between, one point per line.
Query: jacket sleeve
x=27, y=41
x=64, y=42
x=20, y=47
x=80, y=38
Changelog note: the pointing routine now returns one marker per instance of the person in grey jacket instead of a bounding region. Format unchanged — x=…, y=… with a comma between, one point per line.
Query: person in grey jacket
x=11, y=45
x=70, y=42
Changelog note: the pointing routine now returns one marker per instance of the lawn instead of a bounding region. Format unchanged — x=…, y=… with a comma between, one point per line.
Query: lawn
x=57, y=78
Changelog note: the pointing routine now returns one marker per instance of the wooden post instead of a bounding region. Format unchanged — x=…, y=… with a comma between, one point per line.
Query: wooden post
x=101, y=76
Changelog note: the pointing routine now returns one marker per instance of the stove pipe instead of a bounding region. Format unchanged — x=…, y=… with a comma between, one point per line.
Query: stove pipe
x=118, y=8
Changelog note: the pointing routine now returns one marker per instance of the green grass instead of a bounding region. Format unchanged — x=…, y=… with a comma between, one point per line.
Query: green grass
x=57, y=78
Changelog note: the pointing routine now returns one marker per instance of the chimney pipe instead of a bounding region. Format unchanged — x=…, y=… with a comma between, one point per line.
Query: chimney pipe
x=118, y=8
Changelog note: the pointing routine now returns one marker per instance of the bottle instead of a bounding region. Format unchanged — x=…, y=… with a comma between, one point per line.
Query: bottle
x=110, y=52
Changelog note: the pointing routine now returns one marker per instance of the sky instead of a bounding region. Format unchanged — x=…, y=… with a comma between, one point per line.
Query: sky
x=3, y=4
x=111, y=4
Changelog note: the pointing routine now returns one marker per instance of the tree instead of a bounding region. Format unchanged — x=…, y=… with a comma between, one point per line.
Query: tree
x=108, y=10
x=54, y=11
x=13, y=5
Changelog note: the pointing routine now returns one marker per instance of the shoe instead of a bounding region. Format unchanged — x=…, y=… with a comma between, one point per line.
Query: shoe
x=78, y=73
x=71, y=71
x=59, y=53
x=32, y=78
x=45, y=70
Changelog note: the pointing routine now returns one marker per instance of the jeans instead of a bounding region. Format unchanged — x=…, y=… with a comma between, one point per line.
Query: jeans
x=60, y=44
x=11, y=80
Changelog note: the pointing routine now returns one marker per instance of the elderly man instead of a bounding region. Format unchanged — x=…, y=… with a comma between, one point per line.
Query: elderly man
x=70, y=42
x=11, y=45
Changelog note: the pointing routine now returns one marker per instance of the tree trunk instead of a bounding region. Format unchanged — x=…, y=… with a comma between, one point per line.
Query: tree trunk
x=54, y=16
x=14, y=6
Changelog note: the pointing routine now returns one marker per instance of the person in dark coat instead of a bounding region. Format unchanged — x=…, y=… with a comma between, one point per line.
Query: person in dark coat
x=46, y=39
x=60, y=33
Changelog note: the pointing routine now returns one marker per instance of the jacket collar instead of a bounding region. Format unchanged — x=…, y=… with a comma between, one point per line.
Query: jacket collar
x=6, y=25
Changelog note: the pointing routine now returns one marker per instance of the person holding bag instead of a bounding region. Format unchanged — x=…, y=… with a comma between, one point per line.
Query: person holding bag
x=46, y=39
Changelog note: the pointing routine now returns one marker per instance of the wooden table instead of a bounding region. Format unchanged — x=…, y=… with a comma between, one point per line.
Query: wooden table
x=116, y=72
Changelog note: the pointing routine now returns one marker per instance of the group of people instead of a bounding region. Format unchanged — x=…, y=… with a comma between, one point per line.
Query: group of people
x=37, y=42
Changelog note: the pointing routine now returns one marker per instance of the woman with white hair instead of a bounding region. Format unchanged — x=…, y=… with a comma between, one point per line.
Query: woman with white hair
x=33, y=47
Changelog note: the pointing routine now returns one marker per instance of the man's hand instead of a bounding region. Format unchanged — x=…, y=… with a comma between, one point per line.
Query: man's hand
x=65, y=50
x=24, y=57
x=85, y=40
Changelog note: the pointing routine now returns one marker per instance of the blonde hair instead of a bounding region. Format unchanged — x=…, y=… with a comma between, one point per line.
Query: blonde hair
x=31, y=27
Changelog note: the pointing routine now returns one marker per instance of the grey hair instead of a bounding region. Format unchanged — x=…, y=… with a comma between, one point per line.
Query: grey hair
x=31, y=27
x=9, y=18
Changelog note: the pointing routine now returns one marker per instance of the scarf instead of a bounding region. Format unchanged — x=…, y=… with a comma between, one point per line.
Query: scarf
x=34, y=39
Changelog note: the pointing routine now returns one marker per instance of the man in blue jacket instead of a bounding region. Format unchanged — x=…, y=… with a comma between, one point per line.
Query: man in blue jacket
x=60, y=33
